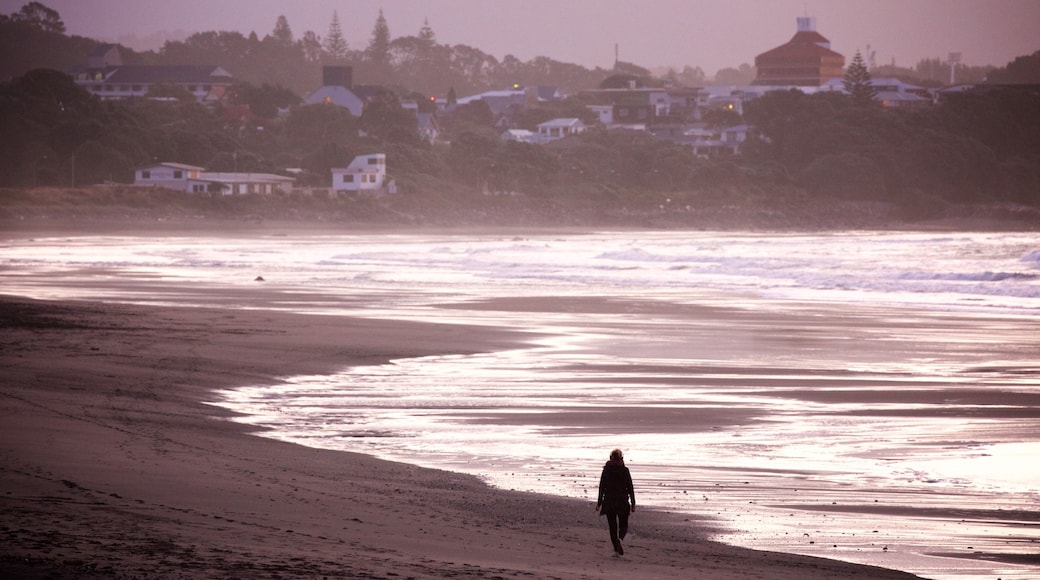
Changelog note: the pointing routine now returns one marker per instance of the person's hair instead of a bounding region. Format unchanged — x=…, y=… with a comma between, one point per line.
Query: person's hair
x=616, y=455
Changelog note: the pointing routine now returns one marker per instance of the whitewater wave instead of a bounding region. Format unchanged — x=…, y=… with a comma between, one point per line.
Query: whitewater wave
x=969, y=277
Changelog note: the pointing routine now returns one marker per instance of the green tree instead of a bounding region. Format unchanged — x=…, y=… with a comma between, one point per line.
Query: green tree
x=720, y=118
x=473, y=157
x=310, y=44
x=264, y=100
x=335, y=44
x=1022, y=70
x=742, y=75
x=378, y=51
x=310, y=124
x=39, y=16
x=385, y=120
x=426, y=36
x=857, y=82
x=282, y=33
x=843, y=176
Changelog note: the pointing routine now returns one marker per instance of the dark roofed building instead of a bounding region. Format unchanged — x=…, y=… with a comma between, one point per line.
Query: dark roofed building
x=205, y=82
x=104, y=56
x=805, y=61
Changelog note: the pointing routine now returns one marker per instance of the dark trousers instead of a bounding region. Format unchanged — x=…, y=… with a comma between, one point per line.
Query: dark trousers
x=617, y=522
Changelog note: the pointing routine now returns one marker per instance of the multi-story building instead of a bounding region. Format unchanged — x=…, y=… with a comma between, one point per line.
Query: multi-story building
x=106, y=77
x=805, y=60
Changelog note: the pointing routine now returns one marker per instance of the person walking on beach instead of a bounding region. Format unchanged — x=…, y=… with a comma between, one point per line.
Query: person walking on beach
x=615, y=491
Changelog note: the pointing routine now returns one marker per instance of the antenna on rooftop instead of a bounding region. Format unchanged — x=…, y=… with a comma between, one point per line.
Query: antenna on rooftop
x=617, y=60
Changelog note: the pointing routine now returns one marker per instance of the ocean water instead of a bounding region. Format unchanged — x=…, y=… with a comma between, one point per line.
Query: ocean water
x=866, y=396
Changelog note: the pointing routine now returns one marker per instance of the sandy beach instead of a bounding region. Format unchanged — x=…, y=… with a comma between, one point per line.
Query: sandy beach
x=113, y=466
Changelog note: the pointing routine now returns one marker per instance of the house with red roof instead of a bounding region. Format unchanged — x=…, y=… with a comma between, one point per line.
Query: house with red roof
x=804, y=61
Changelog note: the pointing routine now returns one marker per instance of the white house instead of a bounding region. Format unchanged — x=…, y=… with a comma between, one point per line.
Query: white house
x=365, y=173
x=891, y=92
x=560, y=128
x=713, y=143
x=177, y=176
x=605, y=113
x=241, y=183
x=181, y=177
x=520, y=135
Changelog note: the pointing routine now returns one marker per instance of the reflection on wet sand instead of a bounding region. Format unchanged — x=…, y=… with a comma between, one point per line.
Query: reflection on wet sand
x=786, y=440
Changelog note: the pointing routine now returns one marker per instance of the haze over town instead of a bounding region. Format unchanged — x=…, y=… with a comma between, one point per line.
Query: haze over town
x=711, y=34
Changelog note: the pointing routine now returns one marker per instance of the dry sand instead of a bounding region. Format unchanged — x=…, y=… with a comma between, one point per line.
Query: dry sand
x=112, y=466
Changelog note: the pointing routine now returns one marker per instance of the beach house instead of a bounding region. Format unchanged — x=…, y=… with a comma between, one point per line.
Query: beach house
x=366, y=173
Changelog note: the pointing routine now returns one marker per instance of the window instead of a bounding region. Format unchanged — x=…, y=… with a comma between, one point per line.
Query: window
x=373, y=161
x=178, y=174
x=348, y=178
x=146, y=175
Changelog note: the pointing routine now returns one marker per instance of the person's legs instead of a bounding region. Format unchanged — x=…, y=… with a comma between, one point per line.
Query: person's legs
x=622, y=524
x=612, y=523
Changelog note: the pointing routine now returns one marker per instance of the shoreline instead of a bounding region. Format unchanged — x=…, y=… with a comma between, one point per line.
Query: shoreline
x=134, y=210
x=114, y=465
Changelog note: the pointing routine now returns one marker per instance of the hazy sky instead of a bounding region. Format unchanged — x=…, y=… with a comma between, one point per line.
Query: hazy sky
x=711, y=34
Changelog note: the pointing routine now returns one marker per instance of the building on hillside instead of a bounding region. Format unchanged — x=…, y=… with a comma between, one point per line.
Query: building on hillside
x=177, y=176
x=106, y=77
x=498, y=102
x=805, y=60
x=560, y=128
x=891, y=93
x=428, y=125
x=714, y=143
x=366, y=173
x=895, y=94
x=638, y=108
x=181, y=177
x=337, y=88
x=519, y=135
x=206, y=83
x=105, y=56
x=604, y=114
x=242, y=183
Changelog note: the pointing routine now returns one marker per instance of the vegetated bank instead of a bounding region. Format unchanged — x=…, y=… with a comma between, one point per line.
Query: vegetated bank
x=120, y=208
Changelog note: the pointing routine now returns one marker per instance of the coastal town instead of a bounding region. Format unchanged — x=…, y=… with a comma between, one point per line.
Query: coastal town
x=669, y=113
x=806, y=126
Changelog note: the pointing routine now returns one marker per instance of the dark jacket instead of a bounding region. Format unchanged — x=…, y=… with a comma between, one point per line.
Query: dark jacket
x=615, y=488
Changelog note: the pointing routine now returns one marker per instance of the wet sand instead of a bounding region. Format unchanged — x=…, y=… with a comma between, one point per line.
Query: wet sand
x=113, y=465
